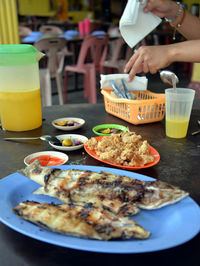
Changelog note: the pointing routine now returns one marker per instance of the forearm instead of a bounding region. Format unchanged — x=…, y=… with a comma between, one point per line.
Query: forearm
x=190, y=27
x=188, y=51
x=190, y=24
x=152, y=58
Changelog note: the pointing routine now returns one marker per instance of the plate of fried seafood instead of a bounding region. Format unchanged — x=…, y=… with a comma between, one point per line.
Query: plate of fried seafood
x=105, y=209
x=126, y=150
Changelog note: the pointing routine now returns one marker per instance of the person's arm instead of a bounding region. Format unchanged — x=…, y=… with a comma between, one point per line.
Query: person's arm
x=153, y=58
x=190, y=26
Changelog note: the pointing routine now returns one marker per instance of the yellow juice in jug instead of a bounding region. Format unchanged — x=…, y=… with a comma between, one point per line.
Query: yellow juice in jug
x=176, y=128
x=20, y=110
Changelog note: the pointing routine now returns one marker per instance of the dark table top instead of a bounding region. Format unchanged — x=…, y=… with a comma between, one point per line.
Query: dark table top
x=179, y=165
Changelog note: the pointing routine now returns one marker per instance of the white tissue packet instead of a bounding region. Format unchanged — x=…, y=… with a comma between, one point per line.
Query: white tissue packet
x=134, y=24
x=137, y=84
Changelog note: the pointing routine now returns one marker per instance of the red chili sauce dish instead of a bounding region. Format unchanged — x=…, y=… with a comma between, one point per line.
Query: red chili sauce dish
x=48, y=160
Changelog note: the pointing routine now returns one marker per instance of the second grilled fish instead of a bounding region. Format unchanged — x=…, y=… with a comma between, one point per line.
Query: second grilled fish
x=82, y=221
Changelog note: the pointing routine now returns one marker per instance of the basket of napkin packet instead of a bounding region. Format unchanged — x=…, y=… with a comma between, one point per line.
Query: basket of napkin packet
x=130, y=100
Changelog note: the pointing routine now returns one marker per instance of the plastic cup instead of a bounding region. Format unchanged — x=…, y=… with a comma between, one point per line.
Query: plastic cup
x=87, y=26
x=178, y=111
x=81, y=28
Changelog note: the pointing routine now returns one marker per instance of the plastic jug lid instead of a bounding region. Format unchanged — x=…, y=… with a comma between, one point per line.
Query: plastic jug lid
x=18, y=54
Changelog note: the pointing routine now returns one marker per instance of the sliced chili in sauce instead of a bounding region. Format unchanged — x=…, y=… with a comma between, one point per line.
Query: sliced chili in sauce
x=48, y=160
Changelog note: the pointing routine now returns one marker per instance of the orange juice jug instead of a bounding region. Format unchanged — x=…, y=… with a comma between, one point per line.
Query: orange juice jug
x=20, y=99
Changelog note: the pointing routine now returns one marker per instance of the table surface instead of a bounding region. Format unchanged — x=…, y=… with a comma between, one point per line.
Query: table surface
x=179, y=165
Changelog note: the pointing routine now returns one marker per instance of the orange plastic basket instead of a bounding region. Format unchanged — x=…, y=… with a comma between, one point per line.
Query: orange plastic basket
x=149, y=107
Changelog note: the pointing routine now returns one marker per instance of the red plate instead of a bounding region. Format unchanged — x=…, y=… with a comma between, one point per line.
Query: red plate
x=152, y=152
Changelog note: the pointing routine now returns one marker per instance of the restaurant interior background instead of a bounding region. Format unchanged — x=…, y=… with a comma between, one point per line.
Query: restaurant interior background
x=103, y=10
x=103, y=15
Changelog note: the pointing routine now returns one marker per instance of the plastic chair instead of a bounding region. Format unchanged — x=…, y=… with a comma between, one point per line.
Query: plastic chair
x=54, y=49
x=118, y=57
x=24, y=31
x=95, y=49
x=113, y=30
x=99, y=51
x=49, y=29
x=45, y=85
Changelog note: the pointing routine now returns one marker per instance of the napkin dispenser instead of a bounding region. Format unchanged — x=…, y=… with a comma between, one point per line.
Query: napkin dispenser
x=134, y=24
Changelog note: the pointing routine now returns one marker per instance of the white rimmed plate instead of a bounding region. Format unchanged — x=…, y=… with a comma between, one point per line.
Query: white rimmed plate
x=53, y=154
x=68, y=128
x=81, y=138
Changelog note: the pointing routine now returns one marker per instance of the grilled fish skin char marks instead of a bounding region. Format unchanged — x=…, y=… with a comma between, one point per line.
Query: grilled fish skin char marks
x=82, y=221
x=95, y=203
x=118, y=193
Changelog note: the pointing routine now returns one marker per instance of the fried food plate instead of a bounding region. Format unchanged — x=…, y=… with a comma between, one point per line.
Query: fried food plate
x=153, y=152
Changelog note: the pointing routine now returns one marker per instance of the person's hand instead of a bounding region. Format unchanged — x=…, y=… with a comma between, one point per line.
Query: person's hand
x=161, y=8
x=148, y=59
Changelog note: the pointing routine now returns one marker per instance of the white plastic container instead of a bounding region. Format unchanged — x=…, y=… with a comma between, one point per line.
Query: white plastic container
x=20, y=100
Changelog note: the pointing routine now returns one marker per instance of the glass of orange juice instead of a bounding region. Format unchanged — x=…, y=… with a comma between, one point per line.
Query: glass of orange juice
x=178, y=110
x=20, y=100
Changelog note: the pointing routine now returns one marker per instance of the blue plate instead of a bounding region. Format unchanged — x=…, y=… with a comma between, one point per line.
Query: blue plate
x=170, y=226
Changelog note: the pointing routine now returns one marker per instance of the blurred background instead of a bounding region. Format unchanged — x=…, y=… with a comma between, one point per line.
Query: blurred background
x=21, y=21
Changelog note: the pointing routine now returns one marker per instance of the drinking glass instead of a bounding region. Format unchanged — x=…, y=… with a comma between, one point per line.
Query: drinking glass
x=178, y=110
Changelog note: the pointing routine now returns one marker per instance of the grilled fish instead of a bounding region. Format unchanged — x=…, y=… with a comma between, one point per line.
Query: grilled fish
x=116, y=206
x=118, y=193
x=81, y=221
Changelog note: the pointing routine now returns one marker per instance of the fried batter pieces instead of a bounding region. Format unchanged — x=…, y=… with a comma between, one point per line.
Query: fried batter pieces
x=126, y=149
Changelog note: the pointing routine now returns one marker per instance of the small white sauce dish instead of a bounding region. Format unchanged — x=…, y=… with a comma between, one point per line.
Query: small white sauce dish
x=62, y=157
x=80, y=122
x=72, y=137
